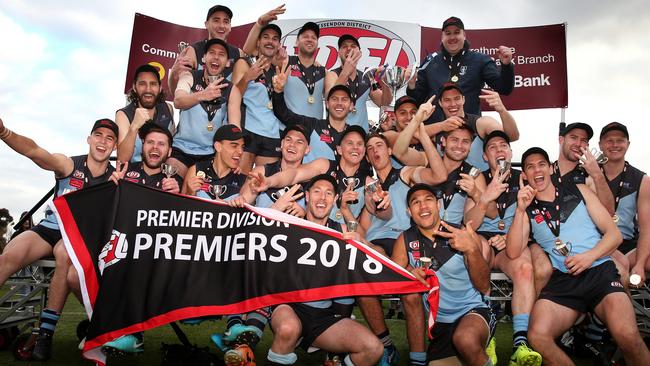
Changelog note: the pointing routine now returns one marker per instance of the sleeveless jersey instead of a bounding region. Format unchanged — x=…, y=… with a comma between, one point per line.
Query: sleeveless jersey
x=360, y=89
x=625, y=188
x=257, y=117
x=297, y=90
x=233, y=56
x=400, y=221
x=162, y=118
x=359, y=183
x=451, y=199
x=136, y=174
x=506, y=204
x=226, y=188
x=268, y=197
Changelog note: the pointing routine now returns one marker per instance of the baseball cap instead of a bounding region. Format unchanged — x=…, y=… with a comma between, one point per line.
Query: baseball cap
x=353, y=128
x=449, y=86
x=210, y=42
x=347, y=37
x=228, y=132
x=338, y=87
x=493, y=134
x=614, y=126
x=326, y=177
x=152, y=127
x=581, y=125
x=106, y=123
x=146, y=68
x=217, y=8
x=273, y=27
x=405, y=99
x=310, y=26
x=532, y=151
x=298, y=128
x=453, y=21
x=418, y=187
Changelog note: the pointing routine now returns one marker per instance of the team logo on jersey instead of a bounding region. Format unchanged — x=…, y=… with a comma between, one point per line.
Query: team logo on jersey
x=463, y=70
x=198, y=88
x=113, y=251
x=78, y=174
x=379, y=46
x=77, y=183
x=326, y=137
x=539, y=219
x=616, y=284
x=414, y=245
x=132, y=174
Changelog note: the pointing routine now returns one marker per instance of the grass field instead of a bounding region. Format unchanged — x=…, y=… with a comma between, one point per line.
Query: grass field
x=67, y=354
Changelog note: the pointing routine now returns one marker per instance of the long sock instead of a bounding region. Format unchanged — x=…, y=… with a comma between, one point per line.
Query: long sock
x=520, y=328
x=384, y=337
x=288, y=359
x=49, y=318
x=418, y=358
x=234, y=319
x=347, y=361
x=595, y=330
x=257, y=321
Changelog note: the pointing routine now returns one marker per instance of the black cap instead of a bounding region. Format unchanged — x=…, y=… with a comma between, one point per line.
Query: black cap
x=405, y=99
x=532, y=151
x=217, y=8
x=272, y=27
x=353, y=128
x=449, y=86
x=346, y=37
x=106, y=123
x=310, y=26
x=228, y=132
x=418, y=187
x=453, y=21
x=338, y=87
x=326, y=177
x=210, y=42
x=614, y=126
x=583, y=126
x=146, y=68
x=152, y=127
x=298, y=128
x=493, y=134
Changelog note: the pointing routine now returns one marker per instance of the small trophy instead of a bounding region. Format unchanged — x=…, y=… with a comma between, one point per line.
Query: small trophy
x=168, y=170
x=182, y=45
x=279, y=193
x=351, y=183
x=395, y=77
x=351, y=226
x=218, y=190
x=504, y=166
x=562, y=248
x=424, y=262
x=372, y=187
x=598, y=155
x=474, y=172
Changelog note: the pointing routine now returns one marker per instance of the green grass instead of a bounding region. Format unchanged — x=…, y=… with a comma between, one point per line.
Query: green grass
x=67, y=354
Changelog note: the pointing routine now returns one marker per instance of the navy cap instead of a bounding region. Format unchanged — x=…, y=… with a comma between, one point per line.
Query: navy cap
x=405, y=99
x=228, y=132
x=338, y=87
x=298, y=128
x=326, y=177
x=614, y=126
x=310, y=26
x=419, y=187
x=581, y=125
x=211, y=42
x=532, y=151
x=353, y=128
x=273, y=27
x=106, y=123
x=347, y=37
x=493, y=134
x=453, y=21
x=217, y=8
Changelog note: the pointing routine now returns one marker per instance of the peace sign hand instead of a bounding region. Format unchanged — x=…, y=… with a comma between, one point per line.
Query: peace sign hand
x=281, y=76
x=119, y=172
x=463, y=240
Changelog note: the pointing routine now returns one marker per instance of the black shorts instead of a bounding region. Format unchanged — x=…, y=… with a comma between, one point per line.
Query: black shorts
x=314, y=322
x=489, y=235
x=442, y=346
x=627, y=246
x=51, y=236
x=386, y=243
x=259, y=145
x=584, y=291
x=188, y=159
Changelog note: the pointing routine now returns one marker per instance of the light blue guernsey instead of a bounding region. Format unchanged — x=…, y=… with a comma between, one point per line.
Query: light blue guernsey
x=399, y=221
x=506, y=205
x=259, y=117
x=625, y=188
x=565, y=218
x=162, y=117
x=357, y=180
x=268, y=197
x=360, y=92
x=303, y=92
x=457, y=293
x=451, y=198
x=197, y=124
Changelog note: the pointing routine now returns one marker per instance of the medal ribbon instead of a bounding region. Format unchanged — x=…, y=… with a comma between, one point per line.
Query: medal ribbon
x=617, y=195
x=310, y=83
x=553, y=225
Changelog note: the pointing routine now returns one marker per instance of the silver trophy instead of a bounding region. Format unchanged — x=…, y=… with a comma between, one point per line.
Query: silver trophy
x=279, y=193
x=424, y=262
x=395, y=77
x=351, y=182
x=168, y=170
x=351, y=226
x=182, y=45
x=212, y=78
x=474, y=172
x=598, y=155
x=372, y=187
x=218, y=190
x=504, y=166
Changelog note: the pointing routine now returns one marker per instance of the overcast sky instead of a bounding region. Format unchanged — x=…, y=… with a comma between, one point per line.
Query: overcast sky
x=63, y=64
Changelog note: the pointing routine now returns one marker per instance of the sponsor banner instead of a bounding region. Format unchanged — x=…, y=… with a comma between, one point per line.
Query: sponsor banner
x=539, y=55
x=539, y=52
x=147, y=258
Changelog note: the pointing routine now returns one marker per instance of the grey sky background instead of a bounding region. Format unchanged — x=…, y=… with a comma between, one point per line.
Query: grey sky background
x=62, y=66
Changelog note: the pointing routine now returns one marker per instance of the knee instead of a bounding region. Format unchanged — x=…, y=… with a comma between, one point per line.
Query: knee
x=73, y=278
x=537, y=339
x=467, y=344
x=523, y=272
x=629, y=340
x=287, y=331
x=61, y=255
x=412, y=301
x=373, y=348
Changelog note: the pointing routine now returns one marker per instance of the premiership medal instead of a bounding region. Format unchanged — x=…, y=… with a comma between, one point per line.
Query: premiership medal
x=454, y=79
x=269, y=105
x=209, y=126
x=501, y=225
x=615, y=218
x=311, y=99
x=561, y=247
x=338, y=214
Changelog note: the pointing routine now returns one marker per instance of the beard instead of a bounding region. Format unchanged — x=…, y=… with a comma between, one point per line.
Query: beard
x=147, y=104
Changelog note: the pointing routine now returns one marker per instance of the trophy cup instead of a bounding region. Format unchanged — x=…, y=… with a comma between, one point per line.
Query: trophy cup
x=351, y=226
x=372, y=187
x=561, y=247
x=182, y=45
x=279, y=193
x=504, y=166
x=395, y=77
x=168, y=170
x=424, y=262
x=474, y=172
x=218, y=190
x=351, y=183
